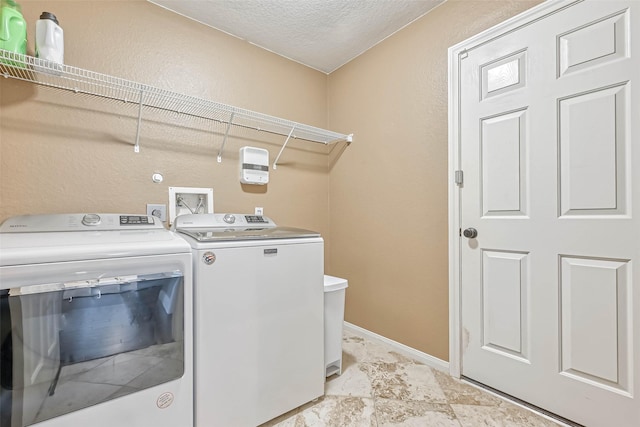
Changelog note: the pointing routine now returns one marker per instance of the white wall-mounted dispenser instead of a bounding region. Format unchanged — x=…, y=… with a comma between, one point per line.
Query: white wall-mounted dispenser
x=254, y=165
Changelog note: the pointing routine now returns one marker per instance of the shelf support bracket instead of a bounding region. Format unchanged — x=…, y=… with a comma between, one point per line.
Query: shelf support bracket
x=136, y=147
x=224, y=140
x=275, y=162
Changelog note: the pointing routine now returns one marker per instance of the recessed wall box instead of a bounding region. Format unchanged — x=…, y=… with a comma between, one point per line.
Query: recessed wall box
x=254, y=165
x=189, y=200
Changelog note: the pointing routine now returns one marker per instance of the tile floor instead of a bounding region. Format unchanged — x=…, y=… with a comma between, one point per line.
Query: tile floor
x=382, y=388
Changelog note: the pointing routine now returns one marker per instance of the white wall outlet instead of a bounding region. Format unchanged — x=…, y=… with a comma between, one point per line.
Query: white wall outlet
x=159, y=211
x=259, y=211
x=189, y=200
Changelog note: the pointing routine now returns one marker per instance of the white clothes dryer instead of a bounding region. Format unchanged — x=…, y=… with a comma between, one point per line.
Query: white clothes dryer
x=259, y=304
x=96, y=326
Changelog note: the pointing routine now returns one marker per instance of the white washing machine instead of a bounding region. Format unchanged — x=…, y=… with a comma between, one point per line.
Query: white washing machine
x=93, y=326
x=258, y=328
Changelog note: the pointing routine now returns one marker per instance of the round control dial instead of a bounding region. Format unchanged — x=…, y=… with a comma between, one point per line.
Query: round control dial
x=91, y=219
x=229, y=219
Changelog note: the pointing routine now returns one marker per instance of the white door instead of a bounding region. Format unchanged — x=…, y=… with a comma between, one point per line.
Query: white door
x=550, y=150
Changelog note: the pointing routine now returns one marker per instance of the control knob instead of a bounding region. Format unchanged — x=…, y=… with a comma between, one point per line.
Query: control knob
x=229, y=219
x=91, y=219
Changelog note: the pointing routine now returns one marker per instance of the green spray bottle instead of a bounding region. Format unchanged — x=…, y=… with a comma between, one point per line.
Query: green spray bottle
x=13, y=28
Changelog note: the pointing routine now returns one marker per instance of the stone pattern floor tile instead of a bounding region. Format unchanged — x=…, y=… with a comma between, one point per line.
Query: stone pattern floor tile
x=498, y=416
x=330, y=411
x=460, y=392
x=380, y=387
x=403, y=381
x=392, y=413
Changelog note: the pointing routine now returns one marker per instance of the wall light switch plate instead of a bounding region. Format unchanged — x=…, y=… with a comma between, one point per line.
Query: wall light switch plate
x=159, y=211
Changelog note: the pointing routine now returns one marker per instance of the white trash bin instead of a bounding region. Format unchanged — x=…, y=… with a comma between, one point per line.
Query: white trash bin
x=334, y=293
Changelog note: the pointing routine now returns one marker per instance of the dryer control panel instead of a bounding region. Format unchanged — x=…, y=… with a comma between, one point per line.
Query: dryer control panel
x=78, y=222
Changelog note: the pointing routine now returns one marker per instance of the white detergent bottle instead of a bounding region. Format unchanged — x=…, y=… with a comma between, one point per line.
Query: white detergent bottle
x=49, y=38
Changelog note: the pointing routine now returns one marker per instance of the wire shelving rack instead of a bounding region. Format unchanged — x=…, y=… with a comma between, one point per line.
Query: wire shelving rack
x=78, y=80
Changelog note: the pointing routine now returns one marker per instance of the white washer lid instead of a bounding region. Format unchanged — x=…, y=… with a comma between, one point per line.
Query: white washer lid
x=332, y=283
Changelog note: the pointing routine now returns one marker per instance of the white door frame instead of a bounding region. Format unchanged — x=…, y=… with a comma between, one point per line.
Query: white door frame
x=456, y=53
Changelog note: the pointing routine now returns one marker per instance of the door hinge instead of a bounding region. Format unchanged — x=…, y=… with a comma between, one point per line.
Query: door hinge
x=459, y=177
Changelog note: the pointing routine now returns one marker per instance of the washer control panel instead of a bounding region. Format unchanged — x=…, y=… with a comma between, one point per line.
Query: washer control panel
x=225, y=221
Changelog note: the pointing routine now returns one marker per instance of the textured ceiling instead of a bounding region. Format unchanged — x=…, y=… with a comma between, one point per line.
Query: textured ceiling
x=322, y=34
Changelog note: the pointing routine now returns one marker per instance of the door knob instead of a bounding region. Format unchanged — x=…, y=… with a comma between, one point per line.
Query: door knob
x=470, y=233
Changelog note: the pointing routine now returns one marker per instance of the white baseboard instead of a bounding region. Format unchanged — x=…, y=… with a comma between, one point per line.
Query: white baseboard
x=425, y=358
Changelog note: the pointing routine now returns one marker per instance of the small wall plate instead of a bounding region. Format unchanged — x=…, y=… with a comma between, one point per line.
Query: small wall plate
x=159, y=211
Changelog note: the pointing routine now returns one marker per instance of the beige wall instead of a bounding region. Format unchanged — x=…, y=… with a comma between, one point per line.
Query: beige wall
x=388, y=191
x=65, y=153
x=381, y=202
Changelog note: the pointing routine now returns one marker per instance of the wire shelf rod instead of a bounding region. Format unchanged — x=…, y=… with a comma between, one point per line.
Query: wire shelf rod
x=224, y=141
x=275, y=162
x=136, y=147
